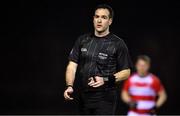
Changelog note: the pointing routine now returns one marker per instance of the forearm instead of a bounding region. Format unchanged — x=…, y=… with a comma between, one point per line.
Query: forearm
x=122, y=75
x=70, y=75
x=161, y=99
x=125, y=97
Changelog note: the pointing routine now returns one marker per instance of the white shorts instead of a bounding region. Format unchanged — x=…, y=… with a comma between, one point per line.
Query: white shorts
x=132, y=113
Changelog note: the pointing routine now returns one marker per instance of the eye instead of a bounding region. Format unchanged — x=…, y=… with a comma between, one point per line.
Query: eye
x=96, y=16
x=104, y=17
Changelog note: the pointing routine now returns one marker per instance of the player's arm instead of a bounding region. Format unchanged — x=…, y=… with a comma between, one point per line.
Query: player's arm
x=162, y=96
x=122, y=75
x=125, y=96
x=70, y=77
x=161, y=92
x=125, y=92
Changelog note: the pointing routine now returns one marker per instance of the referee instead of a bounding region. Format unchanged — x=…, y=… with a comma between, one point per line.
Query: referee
x=100, y=59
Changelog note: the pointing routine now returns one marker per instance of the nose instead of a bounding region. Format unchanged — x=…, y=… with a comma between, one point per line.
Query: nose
x=99, y=20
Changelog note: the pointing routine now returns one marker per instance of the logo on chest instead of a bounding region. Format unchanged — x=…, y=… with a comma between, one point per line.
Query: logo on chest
x=102, y=56
x=83, y=49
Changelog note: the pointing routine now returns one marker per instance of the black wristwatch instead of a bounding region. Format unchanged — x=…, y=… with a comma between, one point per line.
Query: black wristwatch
x=110, y=78
x=106, y=79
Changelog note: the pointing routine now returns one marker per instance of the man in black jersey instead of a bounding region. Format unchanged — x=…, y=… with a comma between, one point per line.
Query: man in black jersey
x=100, y=59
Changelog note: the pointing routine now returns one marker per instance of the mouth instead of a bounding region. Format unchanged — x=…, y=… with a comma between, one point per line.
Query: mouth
x=99, y=26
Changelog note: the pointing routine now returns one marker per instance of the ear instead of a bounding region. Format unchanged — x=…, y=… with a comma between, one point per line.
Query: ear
x=110, y=21
x=93, y=18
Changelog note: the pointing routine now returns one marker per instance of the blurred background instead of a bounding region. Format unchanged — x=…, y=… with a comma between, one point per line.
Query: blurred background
x=38, y=35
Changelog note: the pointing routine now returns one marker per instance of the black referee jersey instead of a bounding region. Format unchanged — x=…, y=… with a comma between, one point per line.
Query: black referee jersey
x=99, y=56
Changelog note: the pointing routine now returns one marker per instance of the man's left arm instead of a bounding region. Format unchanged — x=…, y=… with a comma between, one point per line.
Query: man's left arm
x=119, y=76
x=122, y=75
x=124, y=62
x=123, y=66
x=161, y=93
x=162, y=96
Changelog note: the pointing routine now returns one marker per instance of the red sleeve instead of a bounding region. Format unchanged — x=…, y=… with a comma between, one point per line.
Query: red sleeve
x=126, y=85
x=157, y=85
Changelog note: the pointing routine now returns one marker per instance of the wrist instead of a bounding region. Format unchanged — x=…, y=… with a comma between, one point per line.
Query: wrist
x=132, y=104
x=69, y=86
x=109, y=80
x=156, y=106
x=106, y=79
x=128, y=101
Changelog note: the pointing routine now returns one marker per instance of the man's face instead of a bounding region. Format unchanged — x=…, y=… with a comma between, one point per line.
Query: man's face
x=102, y=20
x=142, y=67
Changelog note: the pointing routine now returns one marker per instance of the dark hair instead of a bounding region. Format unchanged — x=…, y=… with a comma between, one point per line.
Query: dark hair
x=105, y=6
x=145, y=58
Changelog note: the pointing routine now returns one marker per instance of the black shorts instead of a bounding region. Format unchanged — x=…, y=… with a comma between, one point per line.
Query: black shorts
x=98, y=102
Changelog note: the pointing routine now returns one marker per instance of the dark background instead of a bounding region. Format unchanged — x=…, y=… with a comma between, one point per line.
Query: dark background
x=38, y=36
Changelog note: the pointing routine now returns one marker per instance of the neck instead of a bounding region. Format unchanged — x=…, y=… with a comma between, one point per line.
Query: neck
x=101, y=34
x=142, y=74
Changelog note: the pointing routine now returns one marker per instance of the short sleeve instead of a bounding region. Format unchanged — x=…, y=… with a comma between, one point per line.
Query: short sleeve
x=123, y=57
x=157, y=85
x=126, y=85
x=75, y=52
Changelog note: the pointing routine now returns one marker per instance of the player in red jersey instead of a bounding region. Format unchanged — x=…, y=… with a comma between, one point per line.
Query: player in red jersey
x=143, y=91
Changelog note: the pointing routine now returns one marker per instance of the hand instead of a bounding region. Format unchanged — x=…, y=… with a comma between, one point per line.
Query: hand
x=99, y=81
x=153, y=110
x=67, y=93
x=132, y=104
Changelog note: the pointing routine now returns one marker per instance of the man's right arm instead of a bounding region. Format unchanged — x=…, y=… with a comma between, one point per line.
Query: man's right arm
x=70, y=77
x=71, y=69
x=125, y=97
x=124, y=93
x=70, y=73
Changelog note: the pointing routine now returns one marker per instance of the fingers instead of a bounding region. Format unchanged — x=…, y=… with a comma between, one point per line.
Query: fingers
x=67, y=96
x=91, y=81
x=99, y=81
x=97, y=84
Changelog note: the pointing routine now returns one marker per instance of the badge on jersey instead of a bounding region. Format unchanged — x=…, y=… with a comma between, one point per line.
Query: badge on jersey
x=83, y=49
x=102, y=56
